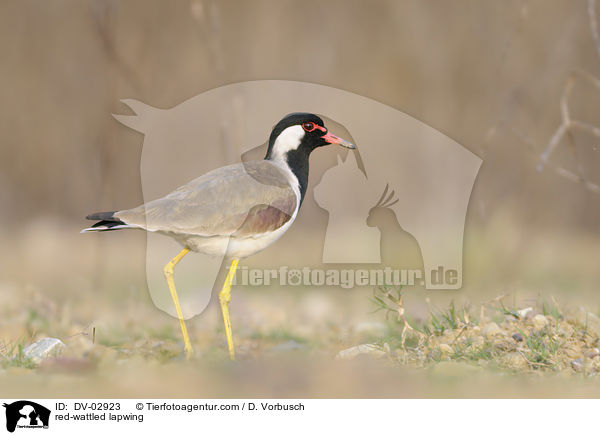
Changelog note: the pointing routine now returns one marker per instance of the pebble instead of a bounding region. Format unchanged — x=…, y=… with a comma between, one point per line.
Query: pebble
x=572, y=351
x=594, y=364
x=539, y=322
x=525, y=313
x=517, y=337
x=42, y=349
x=361, y=349
x=477, y=343
x=445, y=349
x=577, y=365
x=593, y=353
x=515, y=360
x=503, y=344
x=593, y=323
x=491, y=330
x=565, y=330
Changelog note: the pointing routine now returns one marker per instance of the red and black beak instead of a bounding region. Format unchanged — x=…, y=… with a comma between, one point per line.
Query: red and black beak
x=330, y=138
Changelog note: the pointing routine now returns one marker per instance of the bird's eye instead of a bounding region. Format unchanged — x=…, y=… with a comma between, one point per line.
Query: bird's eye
x=308, y=126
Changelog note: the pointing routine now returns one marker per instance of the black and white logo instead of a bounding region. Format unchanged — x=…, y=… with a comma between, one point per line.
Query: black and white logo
x=25, y=414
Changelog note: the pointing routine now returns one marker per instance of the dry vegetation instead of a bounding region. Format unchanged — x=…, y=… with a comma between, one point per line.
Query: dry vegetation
x=134, y=352
x=528, y=339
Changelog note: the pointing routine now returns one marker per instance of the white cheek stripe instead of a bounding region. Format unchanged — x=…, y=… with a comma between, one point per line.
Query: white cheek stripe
x=288, y=140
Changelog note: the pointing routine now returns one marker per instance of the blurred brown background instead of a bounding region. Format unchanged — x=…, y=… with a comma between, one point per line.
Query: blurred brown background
x=489, y=74
x=473, y=70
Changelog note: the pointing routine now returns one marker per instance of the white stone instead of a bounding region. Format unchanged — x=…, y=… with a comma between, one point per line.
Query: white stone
x=525, y=313
x=361, y=349
x=42, y=349
x=539, y=322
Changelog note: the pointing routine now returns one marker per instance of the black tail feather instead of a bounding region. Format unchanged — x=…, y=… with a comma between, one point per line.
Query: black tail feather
x=102, y=216
x=108, y=224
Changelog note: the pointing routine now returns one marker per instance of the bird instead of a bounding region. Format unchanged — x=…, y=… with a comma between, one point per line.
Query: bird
x=233, y=211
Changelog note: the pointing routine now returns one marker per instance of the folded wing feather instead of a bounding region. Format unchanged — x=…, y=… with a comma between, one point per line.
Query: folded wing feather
x=238, y=200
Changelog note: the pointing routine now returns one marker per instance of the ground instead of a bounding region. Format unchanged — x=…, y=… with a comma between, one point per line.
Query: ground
x=498, y=352
x=523, y=341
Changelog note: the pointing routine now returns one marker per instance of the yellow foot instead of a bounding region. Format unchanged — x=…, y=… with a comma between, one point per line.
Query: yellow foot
x=224, y=298
x=189, y=350
x=168, y=270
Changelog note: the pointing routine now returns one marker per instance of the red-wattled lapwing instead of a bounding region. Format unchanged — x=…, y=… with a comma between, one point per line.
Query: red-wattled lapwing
x=236, y=210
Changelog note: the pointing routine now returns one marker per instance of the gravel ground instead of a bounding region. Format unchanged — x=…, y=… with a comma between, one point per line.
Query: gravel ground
x=537, y=351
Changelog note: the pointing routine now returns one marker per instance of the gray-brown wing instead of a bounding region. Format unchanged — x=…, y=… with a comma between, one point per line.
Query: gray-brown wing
x=239, y=200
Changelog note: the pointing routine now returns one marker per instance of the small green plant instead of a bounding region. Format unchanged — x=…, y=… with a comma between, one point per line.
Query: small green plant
x=437, y=325
x=509, y=311
x=13, y=356
x=443, y=320
x=387, y=299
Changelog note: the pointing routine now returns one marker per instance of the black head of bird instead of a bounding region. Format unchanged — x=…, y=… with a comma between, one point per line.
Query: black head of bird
x=300, y=133
x=294, y=138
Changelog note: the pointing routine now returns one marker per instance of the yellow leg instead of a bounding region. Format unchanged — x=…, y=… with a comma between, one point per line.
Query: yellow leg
x=224, y=298
x=168, y=270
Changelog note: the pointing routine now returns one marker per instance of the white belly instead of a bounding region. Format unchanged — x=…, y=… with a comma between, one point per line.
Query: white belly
x=233, y=247
x=237, y=247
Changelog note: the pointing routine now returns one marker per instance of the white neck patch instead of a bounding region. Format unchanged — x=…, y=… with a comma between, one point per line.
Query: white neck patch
x=288, y=140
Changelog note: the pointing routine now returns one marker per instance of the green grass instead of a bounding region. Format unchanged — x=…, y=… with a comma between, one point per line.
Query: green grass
x=542, y=346
x=452, y=335
x=12, y=356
